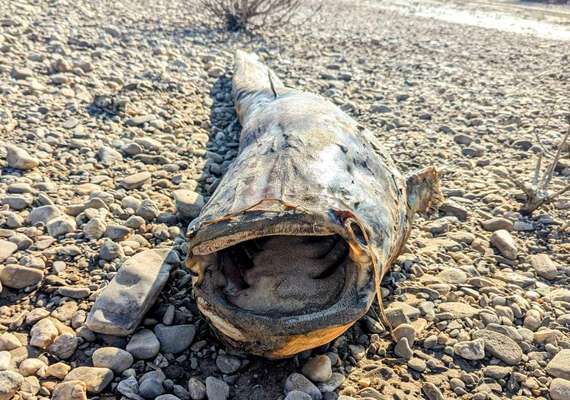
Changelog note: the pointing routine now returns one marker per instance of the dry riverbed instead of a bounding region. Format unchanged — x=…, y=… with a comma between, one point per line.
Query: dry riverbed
x=116, y=125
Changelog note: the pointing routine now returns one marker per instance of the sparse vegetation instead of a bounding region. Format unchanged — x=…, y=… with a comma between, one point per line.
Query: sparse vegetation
x=243, y=14
x=538, y=192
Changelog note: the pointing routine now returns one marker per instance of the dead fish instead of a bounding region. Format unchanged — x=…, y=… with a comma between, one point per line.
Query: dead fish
x=290, y=250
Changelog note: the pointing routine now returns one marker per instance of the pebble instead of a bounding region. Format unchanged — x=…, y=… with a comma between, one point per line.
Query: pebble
x=188, y=203
x=58, y=370
x=135, y=181
x=559, y=366
x=297, y=382
x=113, y=358
x=70, y=390
x=174, y=338
x=111, y=250
x=151, y=388
x=217, y=389
x=505, y=243
x=470, y=350
x=43, y=333
x=9, y=341
x=95, y=379
x=500, y=346
x=43, y=214
x=196, y=389
x=318, y=368
x=495, y=224
x=143, y=345
x=297, y=395
x=559, y=389
x=403, y=349
x=60, y=226
x=18, y=277
x=10, y=382
x=228, y=364
x=544, y=266
x=20, y=159
x=432, y=392
x=7, y=249
x=5, y=360
x=121, y=306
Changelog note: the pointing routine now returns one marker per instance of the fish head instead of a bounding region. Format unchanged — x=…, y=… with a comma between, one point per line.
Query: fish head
x=275, y=281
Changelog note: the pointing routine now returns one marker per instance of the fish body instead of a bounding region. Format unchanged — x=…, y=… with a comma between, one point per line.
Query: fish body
x=291, y=247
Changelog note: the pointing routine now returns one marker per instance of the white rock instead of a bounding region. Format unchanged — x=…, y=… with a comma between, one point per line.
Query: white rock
x=121, y=306
x=20, y=158
x=43, y=333
x=505, y=243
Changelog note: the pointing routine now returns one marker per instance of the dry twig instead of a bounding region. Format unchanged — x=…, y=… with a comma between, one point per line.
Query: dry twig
x=538, y=193
x=241, y=14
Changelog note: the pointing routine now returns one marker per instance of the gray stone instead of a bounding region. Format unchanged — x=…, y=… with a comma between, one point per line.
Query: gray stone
x=150, y=388
x=500, y=346
x=20, y=159
x=559, y=366
x=495, y=224
x=336, y=380
x=544, y=266
x=297, y=382
x=117, y=232
x=297, y=395
x=559, y=389
x=7, y=249
x=113, y=358
x=470, y=350
x=228, y=364
x=108, y=156
x=458, y=309
x=129, y=388
x=135, y=181
x=121, y=306
x=111, y=250
x=174, y=338
x=43, y=214
x=451, y=207
x=216, y=389
x=188, y=202
x=64, y=346
x=143, y=345
x=403, y=349
x=432, y=392
x=17, y=201
x=95, y=228
x=10, y=382
x=95, y=379
x=196, y=389
x=504, y=242
x=18, y=277
x=61, y=226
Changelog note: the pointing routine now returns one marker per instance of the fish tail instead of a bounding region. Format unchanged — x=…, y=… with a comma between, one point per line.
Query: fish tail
x=253, y=84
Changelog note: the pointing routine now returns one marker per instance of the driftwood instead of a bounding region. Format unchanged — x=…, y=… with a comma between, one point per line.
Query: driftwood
x=291, y=248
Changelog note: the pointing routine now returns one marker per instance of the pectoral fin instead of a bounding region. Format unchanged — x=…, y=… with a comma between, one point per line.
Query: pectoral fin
x=424, y=190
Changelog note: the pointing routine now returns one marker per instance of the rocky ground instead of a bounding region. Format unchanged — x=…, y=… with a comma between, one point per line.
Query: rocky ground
x=116, y=125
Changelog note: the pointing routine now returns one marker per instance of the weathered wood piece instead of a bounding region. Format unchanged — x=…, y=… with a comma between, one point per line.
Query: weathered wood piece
x=290, y=249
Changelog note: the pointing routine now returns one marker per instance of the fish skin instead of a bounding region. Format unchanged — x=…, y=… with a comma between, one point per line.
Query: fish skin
x=305, y=167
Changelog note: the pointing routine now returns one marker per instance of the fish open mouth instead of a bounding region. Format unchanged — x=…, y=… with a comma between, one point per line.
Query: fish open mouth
x=268, y=278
